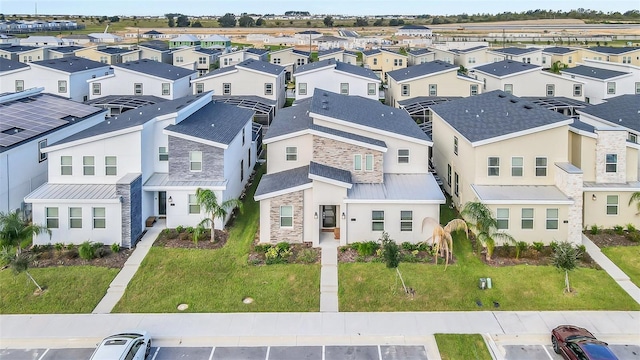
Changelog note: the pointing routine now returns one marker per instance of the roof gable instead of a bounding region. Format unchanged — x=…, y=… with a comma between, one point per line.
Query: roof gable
x=593, y=72
x=621, y=110
x=71, y=64
x=506, y=68
x=421, y=70
x=156, y=68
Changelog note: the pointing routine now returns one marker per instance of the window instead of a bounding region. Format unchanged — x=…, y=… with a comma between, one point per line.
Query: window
x=612, y=204
x=371, y=89
x=455, y=145
x=302, y=89
x=163, y=155
x=375, y=61
x=19, y=85
x=42, y=156
x=403, y=156
x=52, y=220
x=368, y=162
x=88, y=165
x=62, y=86
x=276, y=60
x=406, y=220
x=199, y=88
x=194, y=207
x=202, y=60
x=577, y=90
x=286, y=216
x=544, y=60
x=110, y=165
x=244, y=135
x=249, y=157
x=471, y=60
x=449, y=174
x=541, y=166
x=137, y=89
x=75, y=218
x=104, y=59
x=166, y=89
x=626, y=59
x=397, y=62
x=291, y=153
x=99, y=218
x=268, y=89
x=508, y=88
x=502, y=218
x=456, y=188
x=474, y=89
x=611, y=163
x=570, y=60
x=195, y=160
x=300, y=62
x=406, y=90
x=493, y=166
x=377, y=220
x=633, y=138
x=611, y=88
x=637, y=88
x=241, y=170
x=357, y=162
x=433, y=90
x=179, y=59
x=527, y=218
x=66, y=167
x=226, y=89
x=551, y=90
x=344, y=88
x=552, y=219
x=96, y=88
x=517, y=166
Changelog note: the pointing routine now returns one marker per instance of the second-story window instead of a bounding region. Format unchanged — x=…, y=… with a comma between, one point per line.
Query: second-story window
x=403, y=156
x=455, y=145
x=195, y=160
x=611, y=163
x=371, y=88
x=19, y=85
x=62, y=86
x=474, y=89
x=202, y=60
x=517, y=166
x=226, y=89
x=344, y=88
x=611, y=88
x=577, y=90
x=302, y=89
x=166, y=89
x=110, y=165
x=493, y=166
x=66, y=165
x=508, y=88
x=541, y=166
x=96, y=88
x=551, y=90
x=42, y=156
x=368, y=162
x=433, y=89
x=199, y=88
x=163, y=154
x=357, y=162
x=406, y=90
x=291, y=153
x=268, y=88
x=137, y=89
x=88, y=165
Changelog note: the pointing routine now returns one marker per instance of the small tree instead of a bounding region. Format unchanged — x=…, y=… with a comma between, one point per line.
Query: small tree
x=246, y=21
x=228, y=20
x=390, y=251
x=482, y=223
x=328, y=21
x=18, y=262
x=441, y=238
x=565, y=258
x=209, y=201
x=635, y=197
x=14, y=229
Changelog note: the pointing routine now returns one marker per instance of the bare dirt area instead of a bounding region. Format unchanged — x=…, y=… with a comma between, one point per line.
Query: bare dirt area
x=172, y=238
x=606, y=238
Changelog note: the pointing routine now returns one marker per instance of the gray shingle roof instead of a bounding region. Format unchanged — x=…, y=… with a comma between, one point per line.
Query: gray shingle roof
x=506, y=67
x=329, y=172
x=17, y=48
x=621, y=110
x=291, y=119
x=71, y=64
x=155, y=45
x=613, y=50
x=593, y=72
x=340, y=66
x=257, y=51
x=262, y=66
x=208, y=51
x=300, y=52
x=418, y=52
x=494, y=114
x=156, y=68
x=217, y=122
x=114, y=51
x=467, y=50
x=217, y=71
x=66, y=49
x=347, y=135
x=322, y=53
x=270, y=183
x=423, y=69
x=378, y=51
x=579, y=125
x=515, y=50
x=558, y=50
x=8, y=65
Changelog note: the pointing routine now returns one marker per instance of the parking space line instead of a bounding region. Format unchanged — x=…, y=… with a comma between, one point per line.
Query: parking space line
x=379, y=353
x=211, y=355
x=43, y=354
x=547, y=351
x=268, y=350
x=155, y=354
x=323, y=352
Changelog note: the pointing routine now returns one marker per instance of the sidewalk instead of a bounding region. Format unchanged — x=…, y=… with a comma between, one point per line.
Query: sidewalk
x=329, y=273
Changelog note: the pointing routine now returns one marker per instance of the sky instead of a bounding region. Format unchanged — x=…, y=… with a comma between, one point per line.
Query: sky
x=345, y=7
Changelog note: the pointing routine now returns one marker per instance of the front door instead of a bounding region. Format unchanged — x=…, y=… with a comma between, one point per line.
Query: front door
x=328, y=216
x=162, y=203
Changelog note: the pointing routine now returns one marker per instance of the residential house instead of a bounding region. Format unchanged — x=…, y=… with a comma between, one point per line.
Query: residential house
x=290, y=58
x=235, y=57
x=62, y=52
x=103, y=38
x=306, y=36
x=523, y=79
x=327, y=42
x=41, y=41
x=420, y=56
x=414, y=30
x=23, y=53
x=217, y=42
x=487, y=148
x=601, y=84
x=30, y=121
x=623, y=55
x=196, y=58
x=8, y=40
x=444, y=55
x=106, y=181
x=109, y=55
x=152, y=34
x=144, y=77
x=337, y=54
x=381, y=61
x=564, y=55
x=470, y=57
x=348, y=168
x=184, y=40
x=156, y=50
x=336, y=76
x=12, y=75
x=76, y=39
x=530, y=55
x=433, y=79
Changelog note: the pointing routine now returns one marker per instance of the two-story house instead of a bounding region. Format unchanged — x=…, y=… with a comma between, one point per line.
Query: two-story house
x=217, y=42
x=600, y=83
x=105, y=181
x=109, y=55
x=382, y=61
x=236, y=57
x=23, y=53
x=196, y=58
x=144, y=77
x=62, y=51
x=337, y=77
x=338, y=54
x=444, y=55
x=564, y=55
x=188, y=40
x=623, y=55
x=12, y=75
x=420, y=56
x=155, y=50
x=470, y=57
x=346, y=165
x=290, y=58
x=530, y=55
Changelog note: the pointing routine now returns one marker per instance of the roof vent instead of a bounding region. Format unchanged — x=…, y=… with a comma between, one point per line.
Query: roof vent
x=502, y=95
x=528, y=107
x=325, y=94
x=513, y=101
x=324, y=107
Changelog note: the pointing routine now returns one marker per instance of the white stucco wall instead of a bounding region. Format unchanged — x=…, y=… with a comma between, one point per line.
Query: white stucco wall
x=330, y=79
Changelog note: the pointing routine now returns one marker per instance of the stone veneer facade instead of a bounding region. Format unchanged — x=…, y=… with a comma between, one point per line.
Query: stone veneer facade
x=611, y=142
x=340, y=154
x=212, y=160
x=569, y=179
x=131, y=193
x=290, y=235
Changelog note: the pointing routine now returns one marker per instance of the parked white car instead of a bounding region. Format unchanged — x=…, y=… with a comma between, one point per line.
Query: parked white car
x=134, y=345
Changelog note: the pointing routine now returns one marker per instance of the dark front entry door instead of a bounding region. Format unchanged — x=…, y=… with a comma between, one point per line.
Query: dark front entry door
x=328, y=216
x=162, y=203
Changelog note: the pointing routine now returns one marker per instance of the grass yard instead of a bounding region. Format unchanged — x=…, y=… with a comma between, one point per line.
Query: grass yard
x=626, y=257
x=69, y=289
x=462, y=346
x=218, y=280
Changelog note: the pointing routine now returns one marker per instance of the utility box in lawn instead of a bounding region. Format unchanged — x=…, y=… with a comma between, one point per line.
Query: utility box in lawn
x=482, y=283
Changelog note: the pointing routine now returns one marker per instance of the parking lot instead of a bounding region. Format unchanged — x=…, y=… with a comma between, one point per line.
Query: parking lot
x=545, y=352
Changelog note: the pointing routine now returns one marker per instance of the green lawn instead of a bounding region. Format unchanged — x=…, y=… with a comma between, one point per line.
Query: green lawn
x=627, y=259
x=69, y=289
x=218, y=280
x=462, y=346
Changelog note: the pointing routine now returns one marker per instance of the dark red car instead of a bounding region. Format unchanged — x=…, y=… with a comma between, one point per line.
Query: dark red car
x=576, y=343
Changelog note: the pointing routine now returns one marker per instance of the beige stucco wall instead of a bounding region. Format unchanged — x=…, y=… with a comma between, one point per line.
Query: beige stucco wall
x=385, y=62
x=595, y=211
x=449, y=84
x=93, y=54
x=276, y=153
x=539, y=232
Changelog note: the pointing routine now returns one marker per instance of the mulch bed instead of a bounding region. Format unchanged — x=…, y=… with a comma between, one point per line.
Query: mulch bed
x=350, y=255
x=49, y=257
x=170, y=238
x=609, y=238
x=302, y=253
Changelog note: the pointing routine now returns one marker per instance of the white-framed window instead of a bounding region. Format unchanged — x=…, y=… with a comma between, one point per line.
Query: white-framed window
x=75, y=217
x=527, y=218
x=406, y=90
x=433, y=89
x=637, y=88
x=88, y=165
x=552, y=219
x=110, y=165
x=570, y=60
x=286, y=216
x=357, y=162
x=517, y=166
x=137, y=89
x=163, y=154
x=226, y=89
x=179, y=59
x=302, y=89
x=449, y=174
x=96, y=88
x=194, y=207
x=268, y=88
x=612, y=204
x=456, y=187
x=195, y=160
x=406, y=220
x=508, y=88
x=166, y=89
x=244, y=135
x=19, y=85
x=611, y=88
x=291, y=153
x=473, y=89
x=344, y=88
x=368, y=162
x=42, y=156
x=577, y=89
x=541, y=166
x=199, y=88
x=242, y=170
x=502, y=218
x=377, y=220
x=455, y=145
x=375, y=61
x=611, y=163
x=632, y=138
x=99, y=217
x=66, y=165
x=471, y=60
x=62, y=86
x=493, y=166
x=403, y=156
x=52, y=220
x=300, y=62
x=371, y=88
x=551, y=90
x=276, y=60
x=544, y=60
x=202, y=60
x=104, y=59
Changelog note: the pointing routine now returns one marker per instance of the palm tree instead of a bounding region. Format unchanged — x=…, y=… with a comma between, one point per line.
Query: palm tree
x=484, y=226
x=635, y=197
x=14, y=229
x=441, y=239
x=18, y=262
x=207, y=199
x=558, y=66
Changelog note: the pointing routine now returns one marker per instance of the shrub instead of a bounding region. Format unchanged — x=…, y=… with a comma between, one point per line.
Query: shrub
x=538, y=246
x=59, y=247
x=423, y=246
x=582, y=250
x=408, y=246
x=70, y=246
x=367, y=248
x=190, y=229
x=520, y=247
x=283, y=246
x=553, y=245
x=102, y=251
x=115, y=247
x=594, y=229
x=86, y=251
x=634, y=236
x=618, y=229
x=308, y=256
x=180, y=229
x=35, y=249
x=630, y=227
x=262, y=248
x=390, y=251
x=408, y=257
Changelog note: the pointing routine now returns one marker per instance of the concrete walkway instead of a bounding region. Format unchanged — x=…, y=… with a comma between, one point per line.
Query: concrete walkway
x=329, y=273
x=607, y=265
x=119, y=284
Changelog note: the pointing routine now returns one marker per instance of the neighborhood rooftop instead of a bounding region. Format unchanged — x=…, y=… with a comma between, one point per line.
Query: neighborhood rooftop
x=283, y=180
x=506, y=67
x=423, y=69
x=593, y=72
x=515, y=50
x=155, y=45
x=71, y=64
x=558, y=50
x=262, y=66
x=340, y=66
x=115, y=51
x=467, y=50
x=290, y=120
x=156, y=68
x=17, y=48
x=612, y=50
x=9, y=65
x=623, y=110
x=66, y=49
